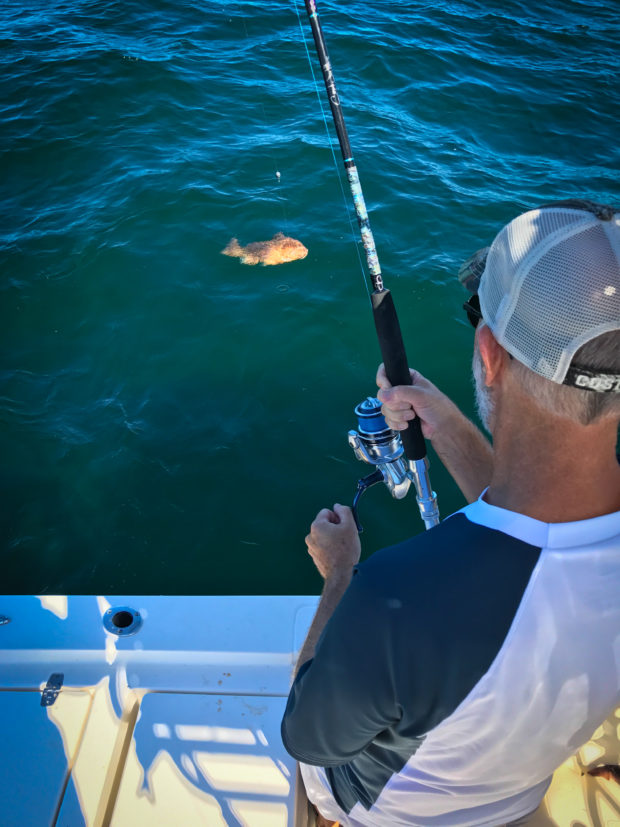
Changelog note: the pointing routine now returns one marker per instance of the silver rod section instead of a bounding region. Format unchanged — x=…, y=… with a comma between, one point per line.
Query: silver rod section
x=426, y=497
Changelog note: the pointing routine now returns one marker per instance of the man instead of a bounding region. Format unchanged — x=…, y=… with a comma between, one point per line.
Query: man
x=454, y=672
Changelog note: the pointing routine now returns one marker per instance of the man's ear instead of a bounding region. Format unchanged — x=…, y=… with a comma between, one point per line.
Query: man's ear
x=492, y=354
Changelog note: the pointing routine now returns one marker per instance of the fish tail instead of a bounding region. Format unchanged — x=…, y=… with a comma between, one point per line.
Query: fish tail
x=233, y=248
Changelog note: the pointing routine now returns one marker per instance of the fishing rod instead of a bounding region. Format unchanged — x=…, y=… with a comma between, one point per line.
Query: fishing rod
x=375, y=443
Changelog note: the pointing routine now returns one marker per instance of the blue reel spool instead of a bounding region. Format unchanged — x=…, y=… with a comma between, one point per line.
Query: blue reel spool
x=369, y=417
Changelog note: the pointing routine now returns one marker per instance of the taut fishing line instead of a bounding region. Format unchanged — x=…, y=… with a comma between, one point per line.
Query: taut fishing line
x=277, y=176
x=347, y=205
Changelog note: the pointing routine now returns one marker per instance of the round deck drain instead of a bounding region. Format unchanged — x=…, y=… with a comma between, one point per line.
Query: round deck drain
x=122, y=621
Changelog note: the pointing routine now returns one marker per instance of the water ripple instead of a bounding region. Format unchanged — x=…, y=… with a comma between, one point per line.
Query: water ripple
x=144, y=375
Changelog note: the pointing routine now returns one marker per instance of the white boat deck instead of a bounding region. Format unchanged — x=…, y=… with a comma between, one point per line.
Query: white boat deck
x=179, y=723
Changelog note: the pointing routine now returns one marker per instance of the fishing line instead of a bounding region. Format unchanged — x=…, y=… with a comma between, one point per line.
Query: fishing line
x=276, y=173
x=330, y=142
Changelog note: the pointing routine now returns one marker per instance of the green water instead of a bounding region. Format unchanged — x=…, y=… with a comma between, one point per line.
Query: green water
x=172, y=420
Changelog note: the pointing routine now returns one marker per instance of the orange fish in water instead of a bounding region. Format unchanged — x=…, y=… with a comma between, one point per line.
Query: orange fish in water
x=280, y=249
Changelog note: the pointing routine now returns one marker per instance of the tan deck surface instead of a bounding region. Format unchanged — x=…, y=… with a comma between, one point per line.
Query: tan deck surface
x=249, y=787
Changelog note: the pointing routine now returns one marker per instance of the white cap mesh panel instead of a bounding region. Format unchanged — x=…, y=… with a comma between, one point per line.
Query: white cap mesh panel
x=552, y=283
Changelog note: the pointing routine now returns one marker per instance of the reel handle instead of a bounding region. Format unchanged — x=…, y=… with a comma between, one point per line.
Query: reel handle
x=362, y=485
x=396, y=364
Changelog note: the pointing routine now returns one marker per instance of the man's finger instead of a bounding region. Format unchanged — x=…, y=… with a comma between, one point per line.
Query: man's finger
x=324, y=516
x=396, y=407
x=397, y=425
x=334, y=517
x=401, y=414
x=344, y=513
x=381, y=378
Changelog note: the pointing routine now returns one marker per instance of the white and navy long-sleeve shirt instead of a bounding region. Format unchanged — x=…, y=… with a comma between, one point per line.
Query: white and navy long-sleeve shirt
x=460, y=668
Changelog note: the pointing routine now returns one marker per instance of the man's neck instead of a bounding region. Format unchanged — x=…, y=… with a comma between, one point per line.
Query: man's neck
x=552, y=470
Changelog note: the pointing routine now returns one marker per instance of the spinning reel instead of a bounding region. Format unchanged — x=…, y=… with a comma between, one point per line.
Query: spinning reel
x=377, y=444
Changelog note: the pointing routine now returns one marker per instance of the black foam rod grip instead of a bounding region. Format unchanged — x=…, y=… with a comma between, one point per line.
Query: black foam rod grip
x=396, y=364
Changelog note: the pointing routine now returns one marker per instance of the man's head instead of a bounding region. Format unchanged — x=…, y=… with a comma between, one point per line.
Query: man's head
x=549, y=292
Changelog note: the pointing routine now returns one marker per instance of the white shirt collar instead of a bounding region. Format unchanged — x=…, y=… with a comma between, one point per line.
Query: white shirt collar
x=543, y=535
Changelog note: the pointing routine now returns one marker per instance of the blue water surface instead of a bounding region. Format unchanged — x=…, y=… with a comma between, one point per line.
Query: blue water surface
x=171, y=418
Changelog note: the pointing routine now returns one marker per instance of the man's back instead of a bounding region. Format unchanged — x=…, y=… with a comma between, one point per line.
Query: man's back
x=460, y=669
x=502, y=653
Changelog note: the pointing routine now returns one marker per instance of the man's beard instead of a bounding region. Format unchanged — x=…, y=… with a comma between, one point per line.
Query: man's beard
x=484, y=398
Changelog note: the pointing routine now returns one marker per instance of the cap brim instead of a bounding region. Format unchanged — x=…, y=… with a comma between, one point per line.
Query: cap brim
x=470, y=272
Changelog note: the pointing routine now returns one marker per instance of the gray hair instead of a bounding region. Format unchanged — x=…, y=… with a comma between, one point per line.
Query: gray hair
x=582, y=406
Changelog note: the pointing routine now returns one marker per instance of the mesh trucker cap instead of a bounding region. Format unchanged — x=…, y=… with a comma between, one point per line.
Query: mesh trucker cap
x=549, y=283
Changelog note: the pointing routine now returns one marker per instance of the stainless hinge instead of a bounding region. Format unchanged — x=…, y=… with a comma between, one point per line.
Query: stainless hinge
x=52, y=689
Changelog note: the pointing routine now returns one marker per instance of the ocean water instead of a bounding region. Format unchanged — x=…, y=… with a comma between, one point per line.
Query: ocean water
x=171, y=420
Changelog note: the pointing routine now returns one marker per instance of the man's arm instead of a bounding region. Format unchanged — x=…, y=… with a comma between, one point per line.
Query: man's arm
x=333, y=590
x=333, y=543
x=343, y=693
x=461, y=446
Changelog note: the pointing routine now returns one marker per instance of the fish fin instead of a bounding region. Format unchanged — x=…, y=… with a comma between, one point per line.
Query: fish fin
x=232, y=248
x=278, y=236
x=250, y=258
x=270, y=256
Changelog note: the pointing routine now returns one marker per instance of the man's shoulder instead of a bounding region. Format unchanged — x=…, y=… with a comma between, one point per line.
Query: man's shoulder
x=455, y=539
x=445, y=573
